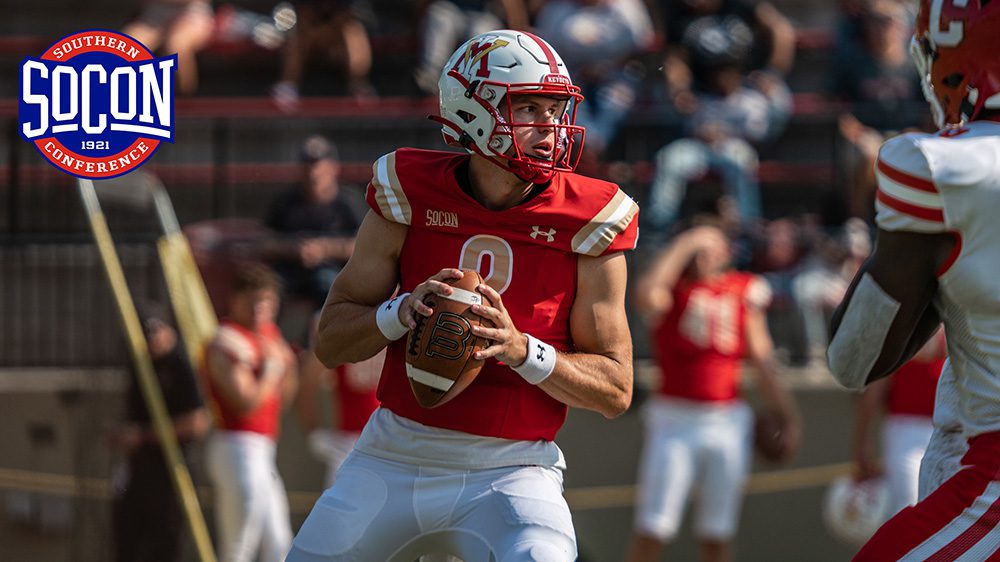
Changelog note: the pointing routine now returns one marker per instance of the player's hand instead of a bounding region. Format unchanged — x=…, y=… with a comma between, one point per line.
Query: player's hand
x=865, y=465
x=279, y=352
x=435, y=285
x=508, y=343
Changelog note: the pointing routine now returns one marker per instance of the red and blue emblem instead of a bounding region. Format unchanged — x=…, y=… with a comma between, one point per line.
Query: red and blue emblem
x=96, y=104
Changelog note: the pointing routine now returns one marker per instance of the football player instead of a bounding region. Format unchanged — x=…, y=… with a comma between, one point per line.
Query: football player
x=937, y=260
x=706, y=318
x=480, y=476
x=251, y=373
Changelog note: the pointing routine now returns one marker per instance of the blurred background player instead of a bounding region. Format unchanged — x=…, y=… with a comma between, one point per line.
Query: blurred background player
x=934, y=261
x=352, y=390
x=178, y=26
x=251, y=373
x=706, y=318
x=142, y=483
x=480, y=477
x=906, y=401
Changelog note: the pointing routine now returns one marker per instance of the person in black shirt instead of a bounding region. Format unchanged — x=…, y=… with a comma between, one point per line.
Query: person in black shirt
x=316, y=223
x=148, y=519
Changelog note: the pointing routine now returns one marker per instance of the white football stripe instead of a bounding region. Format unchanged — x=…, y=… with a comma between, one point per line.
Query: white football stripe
x=957, y=526
x=606, y=230
x=463, y=296
x=383, y=182
x=429, y=379
x=908, y=194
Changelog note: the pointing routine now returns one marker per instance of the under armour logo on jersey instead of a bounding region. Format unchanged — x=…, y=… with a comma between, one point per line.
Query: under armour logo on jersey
x=550, y=235
x=541, y=353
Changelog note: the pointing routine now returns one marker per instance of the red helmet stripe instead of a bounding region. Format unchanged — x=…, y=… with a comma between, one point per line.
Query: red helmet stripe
x=549, y=55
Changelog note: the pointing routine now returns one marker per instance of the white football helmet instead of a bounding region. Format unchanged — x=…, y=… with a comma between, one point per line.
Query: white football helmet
x=480, y=74
x=853, y=510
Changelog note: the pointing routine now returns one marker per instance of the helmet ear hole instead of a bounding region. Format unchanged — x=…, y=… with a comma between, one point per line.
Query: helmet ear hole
x=465, y=115
x=953, y=80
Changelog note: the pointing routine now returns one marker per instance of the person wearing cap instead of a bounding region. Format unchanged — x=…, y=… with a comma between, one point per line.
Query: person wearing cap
x=316, y=223
x=142, y=482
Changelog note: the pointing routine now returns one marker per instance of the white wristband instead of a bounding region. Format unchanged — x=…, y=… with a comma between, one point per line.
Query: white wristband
x=387, y=318
x=540, y=362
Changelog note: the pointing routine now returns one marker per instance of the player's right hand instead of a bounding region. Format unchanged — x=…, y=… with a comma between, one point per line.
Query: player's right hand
x=414, y=304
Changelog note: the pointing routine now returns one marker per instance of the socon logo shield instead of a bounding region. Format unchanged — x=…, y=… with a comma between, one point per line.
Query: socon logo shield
x=96, y=104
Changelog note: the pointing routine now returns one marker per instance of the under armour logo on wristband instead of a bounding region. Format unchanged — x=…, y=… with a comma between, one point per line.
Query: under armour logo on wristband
x=541, y=353
x=388, y=305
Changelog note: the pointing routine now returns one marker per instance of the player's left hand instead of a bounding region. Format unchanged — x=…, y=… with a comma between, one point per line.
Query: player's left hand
x=508, y=343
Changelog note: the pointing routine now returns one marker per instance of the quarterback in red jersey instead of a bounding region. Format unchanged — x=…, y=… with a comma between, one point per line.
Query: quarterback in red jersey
x=480, y=476
x=707, y=318
x=936, y=261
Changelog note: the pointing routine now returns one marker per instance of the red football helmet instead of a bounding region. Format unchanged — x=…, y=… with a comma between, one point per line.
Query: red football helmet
x=955, y=47
x=482, y=73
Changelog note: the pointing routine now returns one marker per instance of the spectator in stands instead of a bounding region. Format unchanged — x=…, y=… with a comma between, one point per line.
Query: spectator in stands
x=448, y=23
x=769, y=38
x=250, y=373
x=732, y=111
x=330, y=28
x=873, y=72
x=178, y=26
x=599, y=41
x=706, y=318
x=316, y=222
x=352, y=387
x=142, y=483
x=906, y=401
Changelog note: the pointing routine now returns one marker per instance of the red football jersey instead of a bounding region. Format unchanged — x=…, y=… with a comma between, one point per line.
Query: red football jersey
x=700, y=342
x=527, y=253
x=912, y=388
x=243, y=346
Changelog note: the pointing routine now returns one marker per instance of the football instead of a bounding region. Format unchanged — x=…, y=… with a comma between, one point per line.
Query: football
x=439, y=351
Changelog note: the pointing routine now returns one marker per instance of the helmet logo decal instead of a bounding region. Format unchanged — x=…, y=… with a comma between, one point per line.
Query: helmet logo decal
x=951, y=37
x=479, y=52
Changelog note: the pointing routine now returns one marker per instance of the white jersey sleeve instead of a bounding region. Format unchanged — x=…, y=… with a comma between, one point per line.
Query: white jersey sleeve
x=758, y=293
x=907, y=198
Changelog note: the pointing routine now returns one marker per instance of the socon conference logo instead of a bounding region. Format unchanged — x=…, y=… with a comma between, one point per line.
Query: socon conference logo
x=96, y=104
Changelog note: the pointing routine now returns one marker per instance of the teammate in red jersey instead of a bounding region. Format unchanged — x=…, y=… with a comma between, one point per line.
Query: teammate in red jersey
x=906, y=400
x=936, y=261
x=480, y=476
x=250, y=373
x=707, y=318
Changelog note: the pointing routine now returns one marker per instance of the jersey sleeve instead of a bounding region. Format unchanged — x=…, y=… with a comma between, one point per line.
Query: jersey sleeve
x=907, y=198
x=613, y=229
x=758, y=293
x=385, y=194
x=233, y=345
